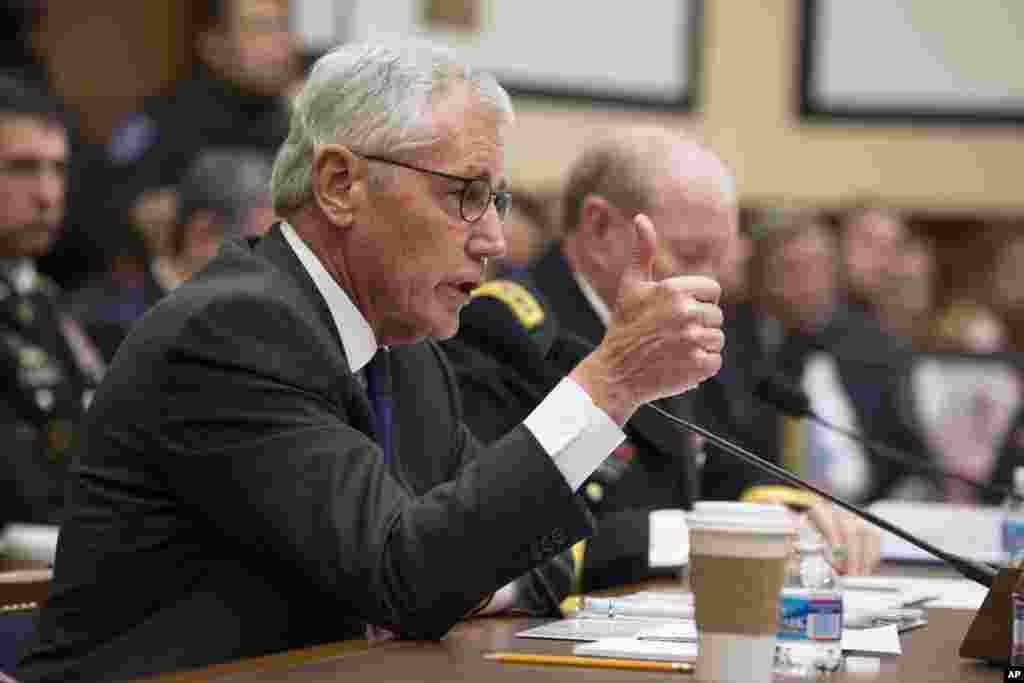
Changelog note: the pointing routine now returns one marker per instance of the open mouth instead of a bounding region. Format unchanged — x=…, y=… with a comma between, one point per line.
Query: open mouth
x=467, y=287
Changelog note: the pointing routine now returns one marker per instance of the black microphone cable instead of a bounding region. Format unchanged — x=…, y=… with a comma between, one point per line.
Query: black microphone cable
x=980, y=573
x=794, y=402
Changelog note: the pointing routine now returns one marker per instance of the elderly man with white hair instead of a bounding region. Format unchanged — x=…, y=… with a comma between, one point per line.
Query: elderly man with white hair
x=277, y=458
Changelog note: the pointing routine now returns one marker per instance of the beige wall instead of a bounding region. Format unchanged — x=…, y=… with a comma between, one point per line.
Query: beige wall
x=747, y=113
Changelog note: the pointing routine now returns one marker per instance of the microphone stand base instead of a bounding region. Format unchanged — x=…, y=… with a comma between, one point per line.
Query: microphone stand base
x=990, y=636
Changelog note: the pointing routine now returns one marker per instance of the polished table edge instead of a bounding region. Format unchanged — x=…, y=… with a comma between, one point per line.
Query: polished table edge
x=294, y=659
x=273, y=663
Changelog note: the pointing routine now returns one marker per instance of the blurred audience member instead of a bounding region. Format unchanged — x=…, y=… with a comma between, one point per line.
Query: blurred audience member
x=907, y=302
x=870, y=239
x=802, y=331
x=527, y=231
x=77, y=249
x=732, y=276
x=49, y=366
x=1007, y=287
x=224, y=193
x=239, y=98
x=967, y=325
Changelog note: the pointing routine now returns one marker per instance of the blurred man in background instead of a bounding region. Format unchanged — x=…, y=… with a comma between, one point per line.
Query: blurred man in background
x=528, y=231
x=691, y=196
x=804, y=334
x=49, y=366
x=248, y=64
x=907, y=304
x=869, y=243
x=225, y=193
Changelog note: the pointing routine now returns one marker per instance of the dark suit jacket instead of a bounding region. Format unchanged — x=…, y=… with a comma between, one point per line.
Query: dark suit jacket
x=42, y=388
x=653, y=470
x=228, y=502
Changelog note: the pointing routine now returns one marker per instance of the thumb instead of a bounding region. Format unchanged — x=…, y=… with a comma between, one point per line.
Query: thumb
x=641, y=263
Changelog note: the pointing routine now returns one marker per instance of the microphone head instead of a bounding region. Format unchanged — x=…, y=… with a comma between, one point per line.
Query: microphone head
x=782, y=394
x=506, y=319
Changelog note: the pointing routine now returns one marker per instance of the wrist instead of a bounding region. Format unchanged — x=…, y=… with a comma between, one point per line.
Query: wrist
x=604, y=391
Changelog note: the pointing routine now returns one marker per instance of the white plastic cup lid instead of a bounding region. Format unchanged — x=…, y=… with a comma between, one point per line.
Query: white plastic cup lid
x=735, y=516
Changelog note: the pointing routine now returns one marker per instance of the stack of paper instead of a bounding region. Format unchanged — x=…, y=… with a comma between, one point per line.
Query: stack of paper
x=667, y=617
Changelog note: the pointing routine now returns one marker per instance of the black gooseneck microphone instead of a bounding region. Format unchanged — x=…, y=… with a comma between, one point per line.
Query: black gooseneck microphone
x=557, y=352
x=980, y=573
x=975, y=571
x=794, y=402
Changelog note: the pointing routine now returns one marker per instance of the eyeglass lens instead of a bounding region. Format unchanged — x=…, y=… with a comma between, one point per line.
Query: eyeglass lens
x=477, y=197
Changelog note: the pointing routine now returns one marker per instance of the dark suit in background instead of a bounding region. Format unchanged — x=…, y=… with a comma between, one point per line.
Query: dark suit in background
x=653, y=469
x=49, y=369
x=229, y=501
x=872, y=373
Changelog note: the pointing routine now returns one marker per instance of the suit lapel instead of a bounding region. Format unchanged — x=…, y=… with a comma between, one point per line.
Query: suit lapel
x=275, y=248
x=555, y=281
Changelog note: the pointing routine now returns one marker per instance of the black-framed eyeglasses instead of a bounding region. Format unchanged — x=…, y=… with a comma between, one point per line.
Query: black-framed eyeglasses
x=476, y=195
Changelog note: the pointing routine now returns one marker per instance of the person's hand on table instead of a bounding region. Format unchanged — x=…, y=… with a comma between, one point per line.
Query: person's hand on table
x=854, y=545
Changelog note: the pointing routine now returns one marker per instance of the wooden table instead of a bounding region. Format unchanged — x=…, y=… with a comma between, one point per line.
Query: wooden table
x=929, y=655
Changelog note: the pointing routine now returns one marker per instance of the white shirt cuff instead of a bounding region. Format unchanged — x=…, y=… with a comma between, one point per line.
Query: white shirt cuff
x=503, y=599
x=573, y=431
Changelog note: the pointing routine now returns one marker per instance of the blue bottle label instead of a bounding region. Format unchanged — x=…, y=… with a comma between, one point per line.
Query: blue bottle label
x=810, y=615
x=1017, y=651
x=1013, y=535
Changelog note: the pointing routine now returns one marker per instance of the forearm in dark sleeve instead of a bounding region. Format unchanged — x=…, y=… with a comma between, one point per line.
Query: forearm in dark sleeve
x=281, y=471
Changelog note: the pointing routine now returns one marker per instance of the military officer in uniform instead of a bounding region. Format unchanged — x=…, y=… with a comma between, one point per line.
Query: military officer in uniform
x=49, y=366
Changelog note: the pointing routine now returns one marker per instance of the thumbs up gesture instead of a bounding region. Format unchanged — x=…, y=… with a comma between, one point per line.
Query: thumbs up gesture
x=664, y=337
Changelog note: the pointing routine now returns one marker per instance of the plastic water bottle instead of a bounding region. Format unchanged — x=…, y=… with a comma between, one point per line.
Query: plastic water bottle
x=1017, y=614
x=1013, y=519
x=809, y=637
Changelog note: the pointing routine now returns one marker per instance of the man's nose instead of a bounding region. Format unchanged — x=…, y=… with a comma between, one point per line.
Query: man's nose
x=488, y=237
x=49, y=187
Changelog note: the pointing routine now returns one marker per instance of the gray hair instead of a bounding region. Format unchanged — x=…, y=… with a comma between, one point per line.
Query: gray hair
x=623, y=165
x=375, y=99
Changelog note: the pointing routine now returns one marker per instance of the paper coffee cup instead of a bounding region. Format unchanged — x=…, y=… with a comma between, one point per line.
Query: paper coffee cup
x=738, y=554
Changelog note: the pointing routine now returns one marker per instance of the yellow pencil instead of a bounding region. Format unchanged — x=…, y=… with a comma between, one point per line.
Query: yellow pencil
x=590, y=662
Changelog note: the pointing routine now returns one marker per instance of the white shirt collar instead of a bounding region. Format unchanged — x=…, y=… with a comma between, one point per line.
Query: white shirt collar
x=165, y=274
x=593, y=298
x=22, y=274
x=357, y=337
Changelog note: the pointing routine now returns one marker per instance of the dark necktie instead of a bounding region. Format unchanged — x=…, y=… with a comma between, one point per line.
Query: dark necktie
x=378, y=388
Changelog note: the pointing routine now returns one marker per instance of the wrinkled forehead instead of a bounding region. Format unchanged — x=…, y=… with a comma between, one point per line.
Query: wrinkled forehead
x=469, y=131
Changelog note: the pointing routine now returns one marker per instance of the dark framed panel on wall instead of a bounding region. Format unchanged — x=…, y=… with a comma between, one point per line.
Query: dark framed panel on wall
x=911, y=62
x=570, y=49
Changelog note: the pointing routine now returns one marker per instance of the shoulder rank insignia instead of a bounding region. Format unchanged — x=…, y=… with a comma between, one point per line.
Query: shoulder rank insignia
x=517, y=297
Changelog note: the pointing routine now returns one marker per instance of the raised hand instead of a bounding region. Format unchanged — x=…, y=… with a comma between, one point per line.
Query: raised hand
x=664, y=336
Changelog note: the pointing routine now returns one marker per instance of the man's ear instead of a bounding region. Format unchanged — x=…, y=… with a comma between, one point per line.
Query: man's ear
x=337, y=182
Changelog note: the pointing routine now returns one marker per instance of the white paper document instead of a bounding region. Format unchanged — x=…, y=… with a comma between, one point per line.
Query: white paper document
x=669, y=539
x=884, y=640
x=930, y=592
x=631, y=648
x=594, y=629
x=969, y=530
